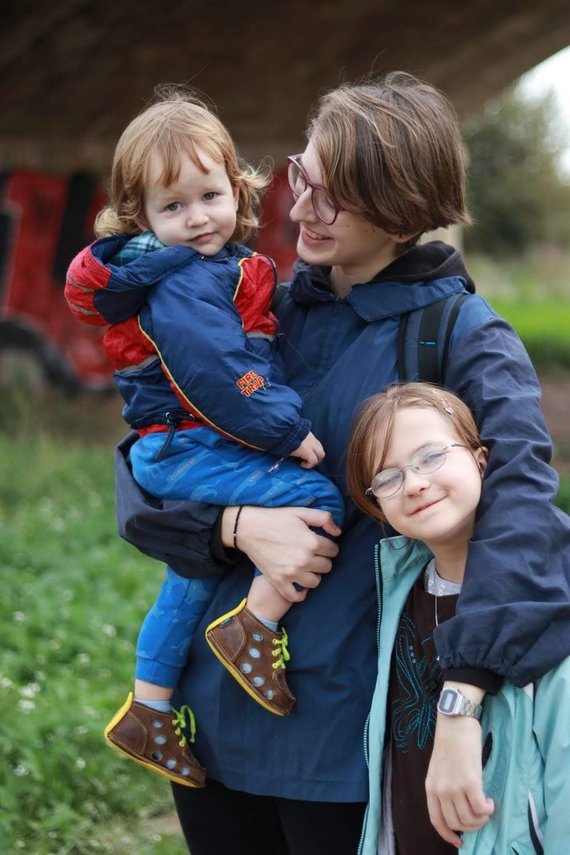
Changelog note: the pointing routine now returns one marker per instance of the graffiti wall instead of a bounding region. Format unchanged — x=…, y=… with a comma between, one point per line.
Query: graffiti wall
x=45, y=220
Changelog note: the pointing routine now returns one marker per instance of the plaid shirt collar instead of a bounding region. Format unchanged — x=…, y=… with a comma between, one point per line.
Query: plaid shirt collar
x=137, y=246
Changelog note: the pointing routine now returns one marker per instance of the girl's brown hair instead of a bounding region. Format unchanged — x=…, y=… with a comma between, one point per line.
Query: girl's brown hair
x=391, y=153
x=373, y=426
x=178, y=123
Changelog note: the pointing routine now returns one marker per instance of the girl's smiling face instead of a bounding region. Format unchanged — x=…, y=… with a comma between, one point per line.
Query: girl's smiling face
x=438, y=508
x=354, y=248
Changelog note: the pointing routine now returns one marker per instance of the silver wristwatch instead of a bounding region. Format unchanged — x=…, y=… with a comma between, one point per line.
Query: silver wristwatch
x=453, y=702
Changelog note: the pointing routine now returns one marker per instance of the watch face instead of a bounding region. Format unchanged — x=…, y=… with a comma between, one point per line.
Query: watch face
x=447, y=701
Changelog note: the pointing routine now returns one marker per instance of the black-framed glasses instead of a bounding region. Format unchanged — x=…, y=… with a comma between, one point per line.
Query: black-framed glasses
x=324, y=206
x=425, y=461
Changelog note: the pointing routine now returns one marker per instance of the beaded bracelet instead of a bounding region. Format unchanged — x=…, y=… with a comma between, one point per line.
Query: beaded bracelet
x=236, y=521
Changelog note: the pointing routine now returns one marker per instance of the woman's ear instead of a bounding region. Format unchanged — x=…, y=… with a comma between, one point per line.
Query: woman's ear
x=481, y=458
x=402, y=238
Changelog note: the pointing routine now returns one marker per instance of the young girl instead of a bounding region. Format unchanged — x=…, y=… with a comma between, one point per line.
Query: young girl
x=190, y=339
x=416, y=462
x=383, y=164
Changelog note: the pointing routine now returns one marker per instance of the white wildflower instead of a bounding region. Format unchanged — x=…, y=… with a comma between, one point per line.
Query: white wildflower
x=30, y=691
x=21, y=770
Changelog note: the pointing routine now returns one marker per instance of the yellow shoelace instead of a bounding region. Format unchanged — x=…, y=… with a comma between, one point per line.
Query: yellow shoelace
x=184, y=718
x=281, y=653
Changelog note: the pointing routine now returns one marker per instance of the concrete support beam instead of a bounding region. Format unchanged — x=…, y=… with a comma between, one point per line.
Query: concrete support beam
x=74, y=72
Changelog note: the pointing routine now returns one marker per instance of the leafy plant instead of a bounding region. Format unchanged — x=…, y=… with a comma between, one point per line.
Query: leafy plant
x=518, y=197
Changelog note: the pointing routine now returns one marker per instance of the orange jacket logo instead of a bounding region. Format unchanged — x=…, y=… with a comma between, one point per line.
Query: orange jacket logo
x=250, y=383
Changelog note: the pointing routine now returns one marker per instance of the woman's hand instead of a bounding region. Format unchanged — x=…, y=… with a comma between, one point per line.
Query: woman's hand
x=281, y=543
x=454, y=783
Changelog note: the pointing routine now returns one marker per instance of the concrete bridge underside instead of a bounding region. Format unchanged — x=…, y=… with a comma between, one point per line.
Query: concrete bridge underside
x=74, y=72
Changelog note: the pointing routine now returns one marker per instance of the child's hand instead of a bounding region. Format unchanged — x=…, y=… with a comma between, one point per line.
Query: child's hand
x=454, y=784
x=311, y=452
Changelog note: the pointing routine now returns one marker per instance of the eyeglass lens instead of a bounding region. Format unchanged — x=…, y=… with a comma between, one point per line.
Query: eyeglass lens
x=388, y=482
x=324, y=207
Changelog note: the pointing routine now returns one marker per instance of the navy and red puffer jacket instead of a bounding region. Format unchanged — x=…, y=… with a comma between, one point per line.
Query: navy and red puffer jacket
x=190, y=339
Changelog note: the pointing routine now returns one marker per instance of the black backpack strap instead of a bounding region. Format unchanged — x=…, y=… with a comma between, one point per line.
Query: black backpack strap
x=456, y=304
x=402, y=372
x=432, y=339
x=428, y=337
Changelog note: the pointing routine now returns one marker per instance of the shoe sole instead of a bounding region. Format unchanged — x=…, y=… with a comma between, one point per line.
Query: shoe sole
x=232, y=670
x=184, y=782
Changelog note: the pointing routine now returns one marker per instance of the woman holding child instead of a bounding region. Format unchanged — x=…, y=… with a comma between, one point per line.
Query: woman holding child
x=382, y=166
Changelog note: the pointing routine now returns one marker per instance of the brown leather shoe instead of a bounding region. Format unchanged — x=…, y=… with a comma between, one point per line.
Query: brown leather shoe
x=255, y=656
x=156, y=740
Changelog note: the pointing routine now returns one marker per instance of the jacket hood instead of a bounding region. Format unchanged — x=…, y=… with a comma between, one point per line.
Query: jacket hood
x=126, y=287
x=429, y=261
x=423, y=275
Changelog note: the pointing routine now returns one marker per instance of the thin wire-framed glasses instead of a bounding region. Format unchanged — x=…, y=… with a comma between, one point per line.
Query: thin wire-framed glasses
x=425, y=461
x=324, y=206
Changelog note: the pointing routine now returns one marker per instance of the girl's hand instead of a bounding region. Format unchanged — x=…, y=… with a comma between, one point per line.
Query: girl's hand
x=281, y=543
x=310, y=452
x=454, y=783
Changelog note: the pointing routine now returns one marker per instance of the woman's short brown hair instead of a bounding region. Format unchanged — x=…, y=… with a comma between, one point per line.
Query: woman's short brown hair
x=178, y=123
x=391, y=152
x=373, y=426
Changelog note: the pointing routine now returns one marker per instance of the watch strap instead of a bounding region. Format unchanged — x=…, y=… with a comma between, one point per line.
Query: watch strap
x=452, y=702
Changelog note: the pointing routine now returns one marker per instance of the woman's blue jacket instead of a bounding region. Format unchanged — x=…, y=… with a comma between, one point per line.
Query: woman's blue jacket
x=513, y=614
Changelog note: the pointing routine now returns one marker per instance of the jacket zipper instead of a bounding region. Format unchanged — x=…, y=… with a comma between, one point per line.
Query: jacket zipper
x=171, y=421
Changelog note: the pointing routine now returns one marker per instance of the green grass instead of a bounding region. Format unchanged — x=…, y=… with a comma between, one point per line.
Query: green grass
x=72, y=598
x=544, y=329
x=532, y=294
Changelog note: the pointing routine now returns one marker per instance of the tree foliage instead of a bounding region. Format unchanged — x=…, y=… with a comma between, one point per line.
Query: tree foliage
x=519, y=196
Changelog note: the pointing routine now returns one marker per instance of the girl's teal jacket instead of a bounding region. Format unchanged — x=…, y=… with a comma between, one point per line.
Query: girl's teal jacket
x=527, y=772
